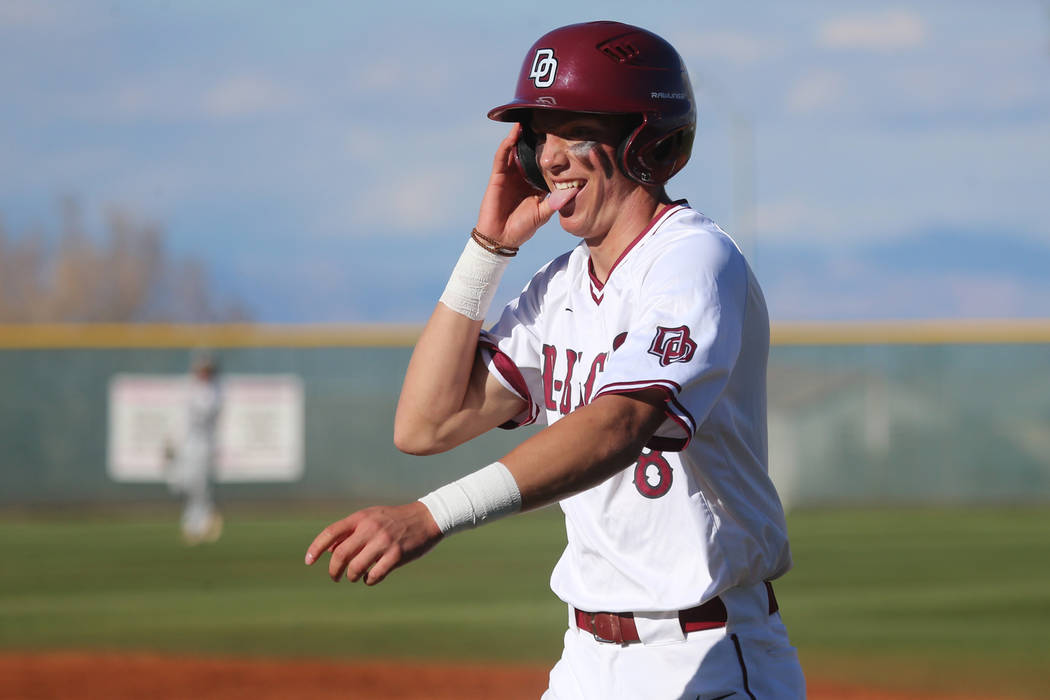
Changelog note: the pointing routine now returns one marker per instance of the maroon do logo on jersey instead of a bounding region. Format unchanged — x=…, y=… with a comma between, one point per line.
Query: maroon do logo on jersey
x=672, y=345
x=652, y=475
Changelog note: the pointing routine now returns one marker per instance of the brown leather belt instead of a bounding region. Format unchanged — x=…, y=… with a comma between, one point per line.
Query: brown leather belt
x=619, y=628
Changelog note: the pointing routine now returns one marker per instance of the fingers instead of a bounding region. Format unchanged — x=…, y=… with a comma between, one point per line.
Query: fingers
x=505, y=151
x=354, y=543
x=508, y=208
x=328, y=539
x=352, y=550
x=361, y=557
x=371, y=543
x=387, y=563
x=343, y=556
x=512, y=136
x=545, y=207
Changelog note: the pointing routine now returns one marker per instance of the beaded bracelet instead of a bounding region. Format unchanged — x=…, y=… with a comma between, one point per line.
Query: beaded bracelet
x=493, y=246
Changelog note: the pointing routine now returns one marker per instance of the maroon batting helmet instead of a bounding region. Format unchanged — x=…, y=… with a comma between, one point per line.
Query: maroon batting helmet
x=609, y=68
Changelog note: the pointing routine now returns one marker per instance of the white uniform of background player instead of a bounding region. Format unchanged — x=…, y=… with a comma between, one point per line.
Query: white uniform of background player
x=193, y=468
x=643, y=350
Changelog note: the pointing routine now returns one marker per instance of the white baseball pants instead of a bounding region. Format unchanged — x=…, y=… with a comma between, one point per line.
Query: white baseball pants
x=749, y=659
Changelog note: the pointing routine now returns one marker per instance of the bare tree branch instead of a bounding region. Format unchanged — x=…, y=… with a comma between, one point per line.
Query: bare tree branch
x=124, y=275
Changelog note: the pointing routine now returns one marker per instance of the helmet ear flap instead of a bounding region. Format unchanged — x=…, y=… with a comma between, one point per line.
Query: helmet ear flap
x=627, y=158
x=525, y=157
x=658, y=160
x=671, y=153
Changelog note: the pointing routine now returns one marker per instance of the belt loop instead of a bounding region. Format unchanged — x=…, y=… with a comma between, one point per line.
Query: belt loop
x=659, y=628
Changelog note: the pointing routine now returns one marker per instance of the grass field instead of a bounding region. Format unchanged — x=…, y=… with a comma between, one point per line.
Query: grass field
x=953, y=599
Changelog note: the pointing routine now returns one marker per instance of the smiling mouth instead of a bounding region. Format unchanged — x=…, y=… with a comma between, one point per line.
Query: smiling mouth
x=568, y=185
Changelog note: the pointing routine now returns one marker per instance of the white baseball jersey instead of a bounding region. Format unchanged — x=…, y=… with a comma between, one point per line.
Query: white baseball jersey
x=680, y=311
x=205, y=404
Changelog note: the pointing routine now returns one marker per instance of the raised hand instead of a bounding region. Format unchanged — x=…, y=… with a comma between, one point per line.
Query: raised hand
x=511, y=210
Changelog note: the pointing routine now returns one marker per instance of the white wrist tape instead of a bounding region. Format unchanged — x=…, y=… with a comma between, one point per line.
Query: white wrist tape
x=474, y=280
x=488, y=494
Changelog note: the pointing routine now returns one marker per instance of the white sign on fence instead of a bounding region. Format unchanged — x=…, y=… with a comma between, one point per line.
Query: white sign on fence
x=260, y=433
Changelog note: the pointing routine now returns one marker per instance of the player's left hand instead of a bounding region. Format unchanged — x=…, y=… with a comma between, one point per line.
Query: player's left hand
x=373, y=542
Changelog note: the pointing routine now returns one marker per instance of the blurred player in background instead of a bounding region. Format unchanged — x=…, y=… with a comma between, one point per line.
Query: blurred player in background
x=191, y=463
x=644, y=352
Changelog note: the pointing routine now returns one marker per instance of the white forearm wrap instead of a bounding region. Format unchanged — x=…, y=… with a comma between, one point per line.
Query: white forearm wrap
x=474, y=281
x=487, y=494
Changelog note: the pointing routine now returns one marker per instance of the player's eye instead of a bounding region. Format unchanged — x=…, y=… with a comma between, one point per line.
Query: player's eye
x=582, y=134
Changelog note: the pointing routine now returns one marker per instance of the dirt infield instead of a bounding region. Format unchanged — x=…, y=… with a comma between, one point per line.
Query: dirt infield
x=80, y=676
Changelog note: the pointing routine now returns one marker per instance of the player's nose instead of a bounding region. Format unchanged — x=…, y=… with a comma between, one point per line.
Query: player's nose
x=553, y=154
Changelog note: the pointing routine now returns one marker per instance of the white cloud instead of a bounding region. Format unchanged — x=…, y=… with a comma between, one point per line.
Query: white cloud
x=133, y=100
x=419, y=203
x=888, y=31
x=26, y=13
x=735, y=47
x=365, y=142
x=938, y=88
x=795, y=218
x=169, y=96
x=815, y=92
x=396, y=76
x=245, y=95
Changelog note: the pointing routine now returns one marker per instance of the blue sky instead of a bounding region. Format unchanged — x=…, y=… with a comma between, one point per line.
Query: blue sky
x=326, y=159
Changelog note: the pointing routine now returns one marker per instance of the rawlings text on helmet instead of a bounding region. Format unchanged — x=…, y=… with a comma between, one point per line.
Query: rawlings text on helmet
x=544, y=68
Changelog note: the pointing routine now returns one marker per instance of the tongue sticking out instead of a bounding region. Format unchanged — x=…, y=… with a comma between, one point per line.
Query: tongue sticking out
x=559, y=198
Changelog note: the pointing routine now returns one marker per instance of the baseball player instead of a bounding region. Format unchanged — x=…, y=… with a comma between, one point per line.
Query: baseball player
x=643, y=351
x=192, y=464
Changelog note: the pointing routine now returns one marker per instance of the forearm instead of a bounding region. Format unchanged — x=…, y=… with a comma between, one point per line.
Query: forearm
x=584, y=448
x=578, y=452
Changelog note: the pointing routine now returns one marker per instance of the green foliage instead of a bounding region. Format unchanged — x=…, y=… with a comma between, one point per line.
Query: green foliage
x=949, y=599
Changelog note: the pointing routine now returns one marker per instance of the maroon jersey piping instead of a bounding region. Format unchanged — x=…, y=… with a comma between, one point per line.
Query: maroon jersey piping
x=598, y=285
x=506, y=367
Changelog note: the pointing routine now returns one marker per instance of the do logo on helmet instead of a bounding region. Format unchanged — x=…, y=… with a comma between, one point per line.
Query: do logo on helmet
x=544, y=68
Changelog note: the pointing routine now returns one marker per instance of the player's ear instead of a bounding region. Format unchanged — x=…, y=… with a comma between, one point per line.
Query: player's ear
x=525, y=157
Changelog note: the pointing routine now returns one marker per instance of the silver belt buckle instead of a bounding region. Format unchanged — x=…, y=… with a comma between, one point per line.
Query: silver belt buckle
x=594, y=628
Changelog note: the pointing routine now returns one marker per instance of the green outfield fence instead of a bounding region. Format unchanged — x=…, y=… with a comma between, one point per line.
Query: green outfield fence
x=901, y=413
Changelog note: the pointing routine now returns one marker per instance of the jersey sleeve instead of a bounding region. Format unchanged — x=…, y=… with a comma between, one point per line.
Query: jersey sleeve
x=512, y=350
x=684, y=335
